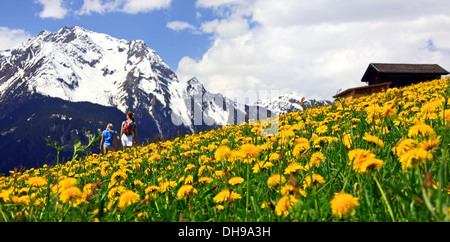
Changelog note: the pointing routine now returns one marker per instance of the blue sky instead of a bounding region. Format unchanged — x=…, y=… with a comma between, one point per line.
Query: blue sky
x=313, y=48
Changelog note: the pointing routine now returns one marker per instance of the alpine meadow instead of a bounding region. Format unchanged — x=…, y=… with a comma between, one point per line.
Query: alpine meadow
x=379, y=158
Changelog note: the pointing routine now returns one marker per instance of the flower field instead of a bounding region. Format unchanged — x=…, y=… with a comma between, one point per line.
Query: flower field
x=384, y=157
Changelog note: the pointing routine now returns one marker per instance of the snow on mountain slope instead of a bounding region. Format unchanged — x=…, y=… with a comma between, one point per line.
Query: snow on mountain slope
x=290, y=102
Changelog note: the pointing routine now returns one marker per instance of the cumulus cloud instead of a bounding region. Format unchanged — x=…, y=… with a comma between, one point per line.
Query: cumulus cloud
x=126, y=6
x=181, y=25
x=10, y=38
x=314, y=48
x=52, y=9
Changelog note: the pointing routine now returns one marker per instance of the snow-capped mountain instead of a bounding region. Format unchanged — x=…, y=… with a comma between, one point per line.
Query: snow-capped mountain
x=67, y=83
x=290, y=102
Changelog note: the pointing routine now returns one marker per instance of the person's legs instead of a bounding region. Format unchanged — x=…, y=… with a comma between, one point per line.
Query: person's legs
x=107, y=148
x=127, y=141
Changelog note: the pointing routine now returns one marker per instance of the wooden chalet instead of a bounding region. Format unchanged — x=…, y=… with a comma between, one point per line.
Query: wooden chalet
x=381, y=76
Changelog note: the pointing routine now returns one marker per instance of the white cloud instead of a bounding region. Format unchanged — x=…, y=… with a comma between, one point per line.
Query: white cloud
x=315, y=47
x=181, y=25
x=126, y=6
x=52, y=9
x=10, y=38
x=136, y=6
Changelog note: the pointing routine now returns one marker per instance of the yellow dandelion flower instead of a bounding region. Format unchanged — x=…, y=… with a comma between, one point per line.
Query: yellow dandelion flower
x=371, y=164
x=67, y=182
x=284, y=204
x=71, y=194
x=430, y=143
x=364, y=160
x=204, y=180
x=37, y=181
x=222, y=153
x=189, y=167
x=128, y=198
x=5, y=194
x=225, y=194
x=317, y=158
x=420, y=129
x=287, y=189
x=164, y=186
x=294, y=167
x=413, y=157
x=301, y=145
x=185, y=191
x=115, y=192
x=250, y=150
x=314, y=179
x=403, y=146
x=236, y=180
x=347, y=140
x=275, y=180
x=373, y=139
x=261, y=165
x=274, y=157
x=343, y=204
x=151, y=191
x=118, y=178
x=321, y=129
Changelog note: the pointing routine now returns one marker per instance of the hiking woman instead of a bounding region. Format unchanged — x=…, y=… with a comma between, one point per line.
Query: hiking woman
x=108, y=142
x=128, y=133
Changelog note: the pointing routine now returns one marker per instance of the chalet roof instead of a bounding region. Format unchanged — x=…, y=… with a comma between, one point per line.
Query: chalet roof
x=387, y=68
x=409, y=68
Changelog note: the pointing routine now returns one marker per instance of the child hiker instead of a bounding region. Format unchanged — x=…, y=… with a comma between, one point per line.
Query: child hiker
x=108, y=141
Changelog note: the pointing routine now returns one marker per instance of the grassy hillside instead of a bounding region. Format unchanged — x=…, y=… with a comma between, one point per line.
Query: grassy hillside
x=377, y=158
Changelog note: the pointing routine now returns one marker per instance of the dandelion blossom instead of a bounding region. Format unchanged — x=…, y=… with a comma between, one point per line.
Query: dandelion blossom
x=364, y=160
x=222, y=153
x=225, y=194
x=294, y=167
x=413, y=157
x=128, y=198
x=185, y=191
x=373, y=139
x=321, y=129
x=236, y=180
x=317, y=158
x=347, y=140
x=250, y=150
x=71, y=194
x=301, y=145
x=36, y=181
x=261, y=165
x=164, y=186
x=313, y=180
x=403, y=146
x=118, y=178
x=284, y=204
x=430, y=143
x=204, y=180
x=275, y=180
x=420, y=129
x=343, y=204
x=151, y=191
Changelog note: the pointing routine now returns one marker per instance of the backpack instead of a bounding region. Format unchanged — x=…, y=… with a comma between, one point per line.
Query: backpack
x=128, y=128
